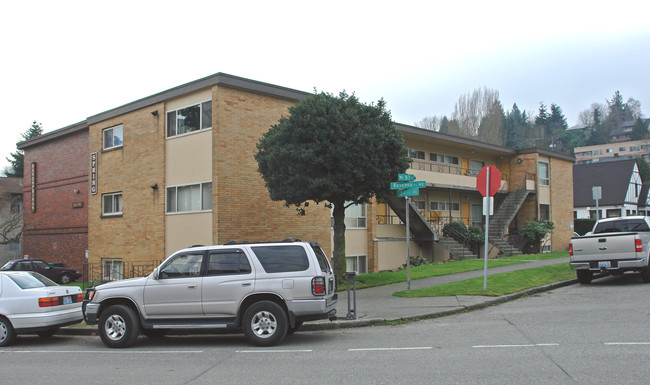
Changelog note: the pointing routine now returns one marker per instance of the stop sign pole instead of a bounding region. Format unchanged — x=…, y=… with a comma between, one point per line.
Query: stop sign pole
x=488, y=182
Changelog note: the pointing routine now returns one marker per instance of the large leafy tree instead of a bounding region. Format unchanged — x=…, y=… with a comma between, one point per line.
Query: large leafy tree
x=17, y=159
x=335, y=150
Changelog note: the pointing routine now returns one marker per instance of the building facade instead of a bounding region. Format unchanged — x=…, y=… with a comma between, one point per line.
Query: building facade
x=620, y=186
x=177, y=169
x=55, y=196
x=613, y=151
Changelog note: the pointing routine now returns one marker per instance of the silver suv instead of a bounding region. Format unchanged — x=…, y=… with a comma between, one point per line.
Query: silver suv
x=266, y=289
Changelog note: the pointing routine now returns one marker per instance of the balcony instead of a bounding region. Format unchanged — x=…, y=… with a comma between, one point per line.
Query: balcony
x=449, y=175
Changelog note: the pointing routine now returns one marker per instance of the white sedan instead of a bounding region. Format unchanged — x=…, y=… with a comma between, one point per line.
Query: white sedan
x=31, y=303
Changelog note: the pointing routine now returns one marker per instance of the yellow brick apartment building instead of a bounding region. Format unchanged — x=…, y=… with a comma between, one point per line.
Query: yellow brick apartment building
x=177, y=169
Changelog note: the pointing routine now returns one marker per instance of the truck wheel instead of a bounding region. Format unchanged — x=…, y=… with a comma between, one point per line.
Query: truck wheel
x=119, y=326
x=584, y=276
x=264, y=323
x=645, y=275
x=7, y=332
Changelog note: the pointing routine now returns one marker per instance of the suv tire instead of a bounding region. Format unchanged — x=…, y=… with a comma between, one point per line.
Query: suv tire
x=265, y=323
x=119, y=326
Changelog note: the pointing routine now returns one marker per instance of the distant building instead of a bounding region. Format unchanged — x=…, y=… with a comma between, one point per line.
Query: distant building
x=613, y=151
x=620, y=185
x=11, y=223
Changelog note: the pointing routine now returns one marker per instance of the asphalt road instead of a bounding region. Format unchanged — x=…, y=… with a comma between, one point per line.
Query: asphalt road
x=579, y=334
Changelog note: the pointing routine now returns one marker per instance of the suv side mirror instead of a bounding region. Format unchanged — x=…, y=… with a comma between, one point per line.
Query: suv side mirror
x=155, y=273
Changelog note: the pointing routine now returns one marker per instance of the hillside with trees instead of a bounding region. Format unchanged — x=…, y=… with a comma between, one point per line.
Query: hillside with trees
x=480, y=115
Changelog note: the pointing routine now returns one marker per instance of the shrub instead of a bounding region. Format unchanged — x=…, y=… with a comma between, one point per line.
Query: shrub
x=533, y=232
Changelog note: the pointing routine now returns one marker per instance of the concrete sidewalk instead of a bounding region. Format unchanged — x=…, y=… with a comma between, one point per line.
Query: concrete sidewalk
x=378, y=305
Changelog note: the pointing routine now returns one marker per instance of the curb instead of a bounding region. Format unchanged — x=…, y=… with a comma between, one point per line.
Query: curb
x=345, y=324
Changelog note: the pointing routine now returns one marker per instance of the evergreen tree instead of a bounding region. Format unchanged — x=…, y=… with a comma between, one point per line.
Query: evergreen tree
x=444, y=125
x=17, y=159
x=640, y=130
x=644, y=169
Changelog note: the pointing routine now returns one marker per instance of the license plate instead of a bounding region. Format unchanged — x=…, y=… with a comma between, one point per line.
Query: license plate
x=605, y=264
x=67, y=300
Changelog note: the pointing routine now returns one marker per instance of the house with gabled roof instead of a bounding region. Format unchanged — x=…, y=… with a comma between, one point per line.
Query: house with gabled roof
x=620, y=185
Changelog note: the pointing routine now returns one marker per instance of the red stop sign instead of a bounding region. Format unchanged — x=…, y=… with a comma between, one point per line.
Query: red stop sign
x=482, y=179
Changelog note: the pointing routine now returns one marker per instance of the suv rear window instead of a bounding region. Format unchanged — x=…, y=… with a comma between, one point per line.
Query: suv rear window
x=281, y=259
x=322, y=259
x=624, y=225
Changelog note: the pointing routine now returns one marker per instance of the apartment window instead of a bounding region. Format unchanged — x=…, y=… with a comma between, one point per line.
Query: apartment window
x=113, y=137
x=475, y=166
x=356, y=263
x=608, y=150
x=441, y=158
x=355, y=217
x=421, y=205
x=544, y=179
x=621, y=149
x=444, y=206
x=189, y=119
x=189, y=198
x=112, y=269
x=416, y=154
x=545, y=212
x=112, y=204
x=16, y=206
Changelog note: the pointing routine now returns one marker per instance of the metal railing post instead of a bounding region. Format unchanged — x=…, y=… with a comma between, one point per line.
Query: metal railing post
x=352, y=307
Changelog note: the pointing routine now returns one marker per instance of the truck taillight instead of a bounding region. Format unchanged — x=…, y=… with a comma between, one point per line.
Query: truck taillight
x=318, y=286
x=638, y=246
x=571, y=249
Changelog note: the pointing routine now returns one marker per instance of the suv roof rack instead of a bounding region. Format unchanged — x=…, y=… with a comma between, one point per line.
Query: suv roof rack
x=189, y=247
x=244, y=242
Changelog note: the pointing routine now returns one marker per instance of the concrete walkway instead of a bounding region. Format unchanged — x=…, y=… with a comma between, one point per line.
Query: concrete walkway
x=375, y=305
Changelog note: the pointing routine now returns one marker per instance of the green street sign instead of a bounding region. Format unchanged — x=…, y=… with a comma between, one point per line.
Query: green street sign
x=408, y=192
x=403, y=185
x=405, y=177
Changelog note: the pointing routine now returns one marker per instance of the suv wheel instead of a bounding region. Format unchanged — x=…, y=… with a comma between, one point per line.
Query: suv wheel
x=7, y=332
x=119, y=326
x=265, y=323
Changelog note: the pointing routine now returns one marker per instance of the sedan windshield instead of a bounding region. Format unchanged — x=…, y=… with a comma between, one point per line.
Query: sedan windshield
x=30, y=280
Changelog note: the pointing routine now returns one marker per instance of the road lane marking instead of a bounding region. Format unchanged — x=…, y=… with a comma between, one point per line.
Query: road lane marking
x=513, y=346
x=390, y=349
x=104, y=351
x=274, y=351
x=626, y=343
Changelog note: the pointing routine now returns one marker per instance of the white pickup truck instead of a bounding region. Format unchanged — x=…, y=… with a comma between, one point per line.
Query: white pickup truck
x=615, y=245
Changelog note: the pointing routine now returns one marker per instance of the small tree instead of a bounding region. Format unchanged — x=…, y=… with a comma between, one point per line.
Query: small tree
x=17, y=158
x=533, y=232
x=335, y=150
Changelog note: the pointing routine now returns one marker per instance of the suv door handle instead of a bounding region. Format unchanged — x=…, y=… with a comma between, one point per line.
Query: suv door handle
x=246, y=284
x=191, y=286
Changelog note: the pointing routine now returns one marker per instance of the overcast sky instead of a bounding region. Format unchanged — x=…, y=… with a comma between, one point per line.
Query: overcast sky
x=63, y=61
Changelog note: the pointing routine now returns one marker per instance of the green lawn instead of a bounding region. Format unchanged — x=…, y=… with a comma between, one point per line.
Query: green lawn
x=498, y=284
x=388, y=277
x=539, y=257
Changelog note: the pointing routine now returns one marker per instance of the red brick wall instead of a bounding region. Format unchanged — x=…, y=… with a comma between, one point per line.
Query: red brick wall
x=58, y=230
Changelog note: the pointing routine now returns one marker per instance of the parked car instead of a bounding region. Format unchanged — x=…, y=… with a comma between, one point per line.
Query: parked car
x=267, y=290
x=32, y=303
x=61, y=275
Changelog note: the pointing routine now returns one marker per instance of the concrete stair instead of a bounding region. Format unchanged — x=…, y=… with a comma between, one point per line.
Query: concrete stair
x=457, y=250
